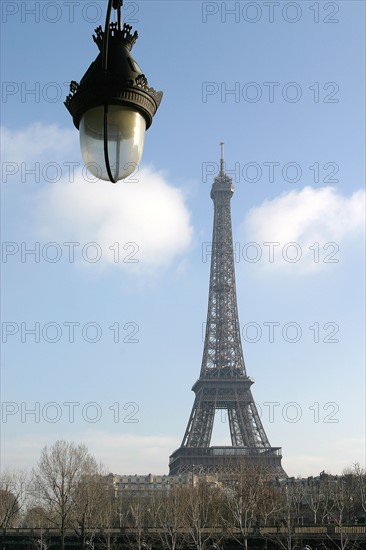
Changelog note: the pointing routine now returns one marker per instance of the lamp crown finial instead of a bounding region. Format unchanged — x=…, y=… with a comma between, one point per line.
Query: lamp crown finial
x=125, y=35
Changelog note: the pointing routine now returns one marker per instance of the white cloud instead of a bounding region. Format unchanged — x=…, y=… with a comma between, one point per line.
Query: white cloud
x=150, y=214
x=38, y=142
x=305, y=217
x=72, y=206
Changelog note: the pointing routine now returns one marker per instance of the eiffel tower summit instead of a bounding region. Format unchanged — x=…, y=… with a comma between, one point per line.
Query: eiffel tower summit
x=223, y=382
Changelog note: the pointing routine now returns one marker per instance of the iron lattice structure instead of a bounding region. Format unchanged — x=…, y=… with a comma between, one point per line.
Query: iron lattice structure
x=223, y=381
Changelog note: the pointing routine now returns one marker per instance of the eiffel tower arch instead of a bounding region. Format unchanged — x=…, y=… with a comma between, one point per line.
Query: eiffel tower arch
x=223, y=381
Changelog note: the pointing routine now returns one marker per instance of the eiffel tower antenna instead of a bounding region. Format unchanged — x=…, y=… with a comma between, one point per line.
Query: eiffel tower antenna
x=222, y=161
x=223, y=382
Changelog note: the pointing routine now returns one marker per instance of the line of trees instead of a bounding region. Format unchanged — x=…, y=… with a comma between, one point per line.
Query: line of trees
x=69, y=490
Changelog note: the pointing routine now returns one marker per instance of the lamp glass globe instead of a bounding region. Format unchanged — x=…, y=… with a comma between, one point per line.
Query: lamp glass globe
x=125, y=134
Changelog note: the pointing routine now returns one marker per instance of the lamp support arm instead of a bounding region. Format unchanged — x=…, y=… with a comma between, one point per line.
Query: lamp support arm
x=116, y=5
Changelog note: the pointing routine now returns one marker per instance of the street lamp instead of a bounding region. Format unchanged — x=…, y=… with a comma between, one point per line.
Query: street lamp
x=113, y=105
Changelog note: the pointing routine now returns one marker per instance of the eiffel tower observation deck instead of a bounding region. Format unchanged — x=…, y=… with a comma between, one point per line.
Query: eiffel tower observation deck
x=223, y=381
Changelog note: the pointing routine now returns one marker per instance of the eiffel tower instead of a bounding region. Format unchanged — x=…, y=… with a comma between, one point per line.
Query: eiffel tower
x=223, y=381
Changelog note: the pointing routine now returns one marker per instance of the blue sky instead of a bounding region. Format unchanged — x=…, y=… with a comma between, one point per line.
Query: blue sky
x=116, y=291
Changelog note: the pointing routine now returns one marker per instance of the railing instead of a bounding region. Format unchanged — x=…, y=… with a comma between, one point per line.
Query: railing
x=322, y=529
x=351, y=529
x=253, y=531
x=226, y=451
x=243, y=451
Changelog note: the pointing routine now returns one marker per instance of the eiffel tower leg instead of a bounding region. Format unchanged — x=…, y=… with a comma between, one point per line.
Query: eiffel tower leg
x=235, y=429
x=200, y=425
x=251, y=426
x=259, y=426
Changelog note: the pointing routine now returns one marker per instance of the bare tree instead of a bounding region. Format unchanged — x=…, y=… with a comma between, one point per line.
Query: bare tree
x=13, y=497
x=316, y=497
x=109, y=513
x=203, y=515
x=268, y=505
x=35, y=518
x=341, y=495
x=136, y=517
x=246, y=499
x=360, y=483
x=89, y=502
x=170, y=518
x=342, y=492
x=289, y=513
x=60, y=473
